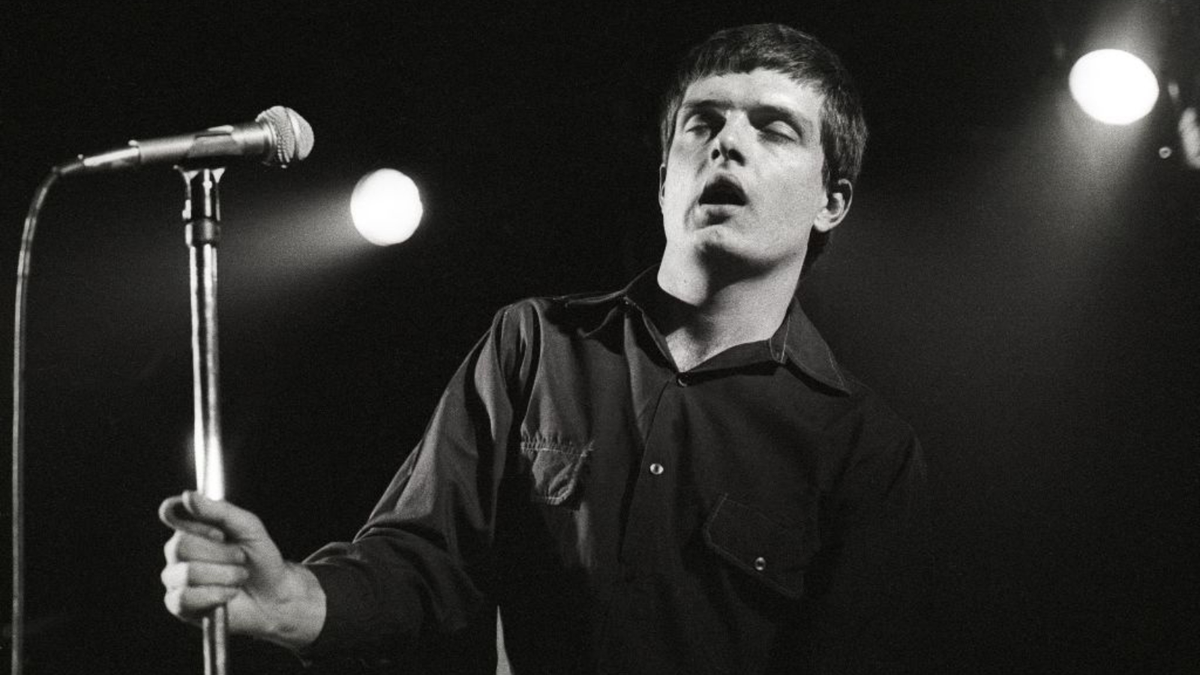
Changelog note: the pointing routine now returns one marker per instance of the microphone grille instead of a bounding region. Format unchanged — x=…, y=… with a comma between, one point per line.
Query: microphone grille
x=293, y=135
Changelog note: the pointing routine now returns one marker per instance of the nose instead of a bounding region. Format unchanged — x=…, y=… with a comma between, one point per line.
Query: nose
x=727, y=143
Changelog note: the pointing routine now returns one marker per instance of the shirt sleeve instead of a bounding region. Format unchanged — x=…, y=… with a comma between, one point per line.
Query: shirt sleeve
x=871, y=578
x=419, y=568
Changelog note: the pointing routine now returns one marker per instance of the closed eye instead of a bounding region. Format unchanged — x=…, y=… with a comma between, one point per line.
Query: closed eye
x=703, y=123
x=780, y=131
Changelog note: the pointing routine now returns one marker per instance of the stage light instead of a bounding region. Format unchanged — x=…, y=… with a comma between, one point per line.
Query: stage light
x=1113, y=86
x=386, y=207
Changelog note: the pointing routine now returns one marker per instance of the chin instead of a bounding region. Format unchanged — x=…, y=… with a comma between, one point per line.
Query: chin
x=726, y=251
x=736, y=258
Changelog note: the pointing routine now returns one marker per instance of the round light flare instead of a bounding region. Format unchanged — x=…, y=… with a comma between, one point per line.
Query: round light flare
x=386, y=207
x=1113, y=86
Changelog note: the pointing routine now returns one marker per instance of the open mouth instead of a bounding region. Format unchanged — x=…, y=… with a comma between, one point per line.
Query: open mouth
x=722, y=191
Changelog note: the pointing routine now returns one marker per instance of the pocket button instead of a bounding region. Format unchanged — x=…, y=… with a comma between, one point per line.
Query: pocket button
x=760, y=563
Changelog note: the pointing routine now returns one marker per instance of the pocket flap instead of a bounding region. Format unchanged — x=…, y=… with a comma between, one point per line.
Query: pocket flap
x=774, y=554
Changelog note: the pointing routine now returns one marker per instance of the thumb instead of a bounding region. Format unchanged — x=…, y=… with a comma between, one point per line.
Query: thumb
x=238, y=524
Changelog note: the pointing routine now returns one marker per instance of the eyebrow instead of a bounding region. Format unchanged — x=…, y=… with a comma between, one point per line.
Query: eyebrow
x=801, y=122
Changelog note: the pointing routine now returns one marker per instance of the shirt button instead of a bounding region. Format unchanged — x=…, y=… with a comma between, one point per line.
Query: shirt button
x=760, y=563
x=682, y=380
x=656, y=469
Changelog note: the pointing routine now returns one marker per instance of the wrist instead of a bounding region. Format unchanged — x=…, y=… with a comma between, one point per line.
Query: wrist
x=301, y=611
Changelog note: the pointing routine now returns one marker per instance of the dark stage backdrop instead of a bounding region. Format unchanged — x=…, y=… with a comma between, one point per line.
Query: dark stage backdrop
x=1018, y=282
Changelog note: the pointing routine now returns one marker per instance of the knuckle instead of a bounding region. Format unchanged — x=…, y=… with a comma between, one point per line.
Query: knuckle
x=253, y=522
x=184, y=547
x=173, y=602
x=171, y=548
x=176, y=576
x=191, y=602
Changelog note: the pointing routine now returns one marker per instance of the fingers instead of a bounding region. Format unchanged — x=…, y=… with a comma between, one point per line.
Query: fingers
x=187, y=547
x=201, y=575
x=182, y=574
x=191, y=603
x=194, y=589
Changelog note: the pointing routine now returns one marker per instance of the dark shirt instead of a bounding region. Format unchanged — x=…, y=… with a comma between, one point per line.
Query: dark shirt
x=749, y=515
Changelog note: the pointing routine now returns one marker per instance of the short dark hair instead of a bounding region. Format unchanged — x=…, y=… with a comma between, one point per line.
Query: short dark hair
x=802, y=57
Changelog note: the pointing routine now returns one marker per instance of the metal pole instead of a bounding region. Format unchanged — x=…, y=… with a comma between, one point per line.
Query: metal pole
x=202, y=215
x=24, y=260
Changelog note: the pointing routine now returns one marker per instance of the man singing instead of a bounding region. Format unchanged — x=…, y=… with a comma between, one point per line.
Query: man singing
x=676, y=477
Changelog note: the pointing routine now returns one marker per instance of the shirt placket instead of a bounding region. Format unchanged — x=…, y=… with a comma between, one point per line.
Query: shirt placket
x=646, y=537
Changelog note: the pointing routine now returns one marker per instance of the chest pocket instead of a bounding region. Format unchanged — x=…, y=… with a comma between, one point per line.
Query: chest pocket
x=774, y=554
x=555, y=468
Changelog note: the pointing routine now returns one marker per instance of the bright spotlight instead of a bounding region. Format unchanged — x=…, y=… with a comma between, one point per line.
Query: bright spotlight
x=1113, y=86
x=386, y=207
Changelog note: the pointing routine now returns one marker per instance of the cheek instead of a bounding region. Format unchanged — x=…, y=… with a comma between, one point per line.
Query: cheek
x=796, y=207
x=804, y=197
x=674, y=192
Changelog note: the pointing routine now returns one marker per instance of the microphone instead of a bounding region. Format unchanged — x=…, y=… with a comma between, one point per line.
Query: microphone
x=277, y=137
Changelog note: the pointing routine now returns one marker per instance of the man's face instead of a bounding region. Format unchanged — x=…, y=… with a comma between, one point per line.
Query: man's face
x=743, y=178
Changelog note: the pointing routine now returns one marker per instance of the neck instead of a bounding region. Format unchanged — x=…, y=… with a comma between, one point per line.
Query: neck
x=703, y=312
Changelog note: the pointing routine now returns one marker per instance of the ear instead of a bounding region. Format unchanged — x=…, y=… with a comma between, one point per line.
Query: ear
x=837, y=205
x=662, y=183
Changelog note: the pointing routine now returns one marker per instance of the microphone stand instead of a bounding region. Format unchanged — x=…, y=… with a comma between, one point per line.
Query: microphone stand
x=202, y=215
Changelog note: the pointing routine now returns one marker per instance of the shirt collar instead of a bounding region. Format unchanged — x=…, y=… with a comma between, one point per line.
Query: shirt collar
x=630, y=295
x=796, y=341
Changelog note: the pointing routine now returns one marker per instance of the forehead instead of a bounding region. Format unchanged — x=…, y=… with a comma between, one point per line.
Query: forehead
x=757, y=89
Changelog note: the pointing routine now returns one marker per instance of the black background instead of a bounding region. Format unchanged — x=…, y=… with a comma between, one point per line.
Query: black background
x=1018, y=281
